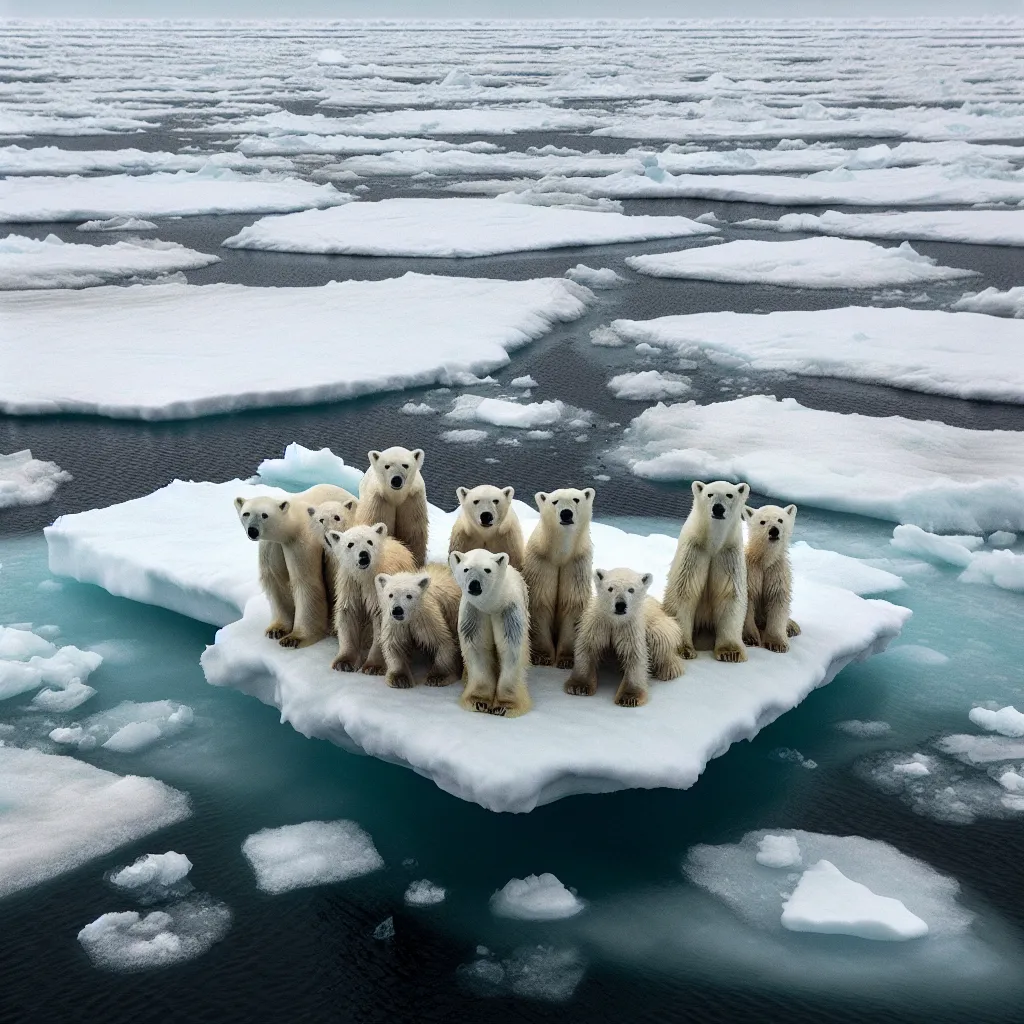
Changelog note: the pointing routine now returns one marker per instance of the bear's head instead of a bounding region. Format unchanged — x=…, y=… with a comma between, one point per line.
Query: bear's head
x=719, y=503
x=621, y=592
x=332, y=515
x=358, y=549
x=486, y=506
x=567, y=508
x=400, y=594
x=396, y=468
x=480, y=575
x=769, y=529
x=265, y=518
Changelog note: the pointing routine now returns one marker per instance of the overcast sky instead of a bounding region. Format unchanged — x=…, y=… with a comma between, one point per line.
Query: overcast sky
x=504, y=8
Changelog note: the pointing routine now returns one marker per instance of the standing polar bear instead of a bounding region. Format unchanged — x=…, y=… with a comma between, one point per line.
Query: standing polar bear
x=392, y=492
x=707, y=582
x=291, y=562
x=645, y=640
x=769, y=578
x=487, y=520
x=557, y=569
x=494, y=633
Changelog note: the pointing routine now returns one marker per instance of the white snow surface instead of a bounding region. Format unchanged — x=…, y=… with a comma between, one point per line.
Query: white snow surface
x=218, y=345
x=778, y=851
x=648, y=385
x=52, y=160
x=536, y=898
x=826, y=901
x=1006, y=721
x=28, y=481
x=805, y=263
x=1004, y=569
x=935, y=476
x=452, y=228
x=117, y=224
x=599, y=279
x=152, y=869
x=127, y=728
x=501, y=413
x=993, y=301
x=300, y=464
x=26, y=664
x=963, y=355
x=952, y=549
x=183, y=194
x=52, y=263
x=310, y=853
x=60, y=812
x=424, y=893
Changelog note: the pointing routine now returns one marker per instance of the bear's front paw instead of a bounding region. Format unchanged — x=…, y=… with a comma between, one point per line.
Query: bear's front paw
x=580, y=687
x=293, y=640
x=439, y=679
x=780, y=645
x=542, y=657
x=373, y=670
x=483, y=706
x=730, y=652
x=398, y=680
x=631, y=699
x=752, y=638
x=687, y=651
x=507, y=708
x=565, y=661
x=672, y=669
x=343, y=663
x=275, y=631
x=792, y=629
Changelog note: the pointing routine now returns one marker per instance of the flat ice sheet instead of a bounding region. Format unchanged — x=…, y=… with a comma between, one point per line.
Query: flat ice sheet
x=964, y=355
x=54, y=160
x=184, y=194
x=177, y=351
x=806, y=263
x=52, y=263
x=941, y=478
x=452, y=227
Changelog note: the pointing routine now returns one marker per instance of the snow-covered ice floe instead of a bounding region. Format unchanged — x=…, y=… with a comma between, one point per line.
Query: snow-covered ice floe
x=59, y=812
x=46, y=160
x=127, y=728
x=648, y=385
x=28, y=481
x=935, y=476
x=806, y=263
x=452, y=228
x=218, y=345
x=964, y=355
x=993, y=302
x=536, y=898
x=152, y=870
x=203, y=565
x=29, y=661
x=53, y=263
x=1000, y=568
x=183, y=194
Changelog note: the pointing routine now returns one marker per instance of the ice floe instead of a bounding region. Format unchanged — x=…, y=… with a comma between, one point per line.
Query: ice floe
x=152, y=870
x=52, y=263
x=1000, y=568
x=128, y=727
x=1006, y=721
x=28, y=481
x=993, y=301
x=67, y=698
x=778, y=851
x=531, y=972
x=424, y=893
x=501, y=413
x=281, y=142
x=536, y=898
x=52, y=160
x=300, y=464
x=28, y=662
x=648, y=385
x=1003, y=569
x=60, y=812
x=451, y=228
x=105, y=366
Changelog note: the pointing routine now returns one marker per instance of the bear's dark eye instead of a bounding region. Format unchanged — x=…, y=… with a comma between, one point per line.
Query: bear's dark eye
x=370, y=542
x=763, y=521
x=488, y=571
x=245, y=515
x=351, y=543
x=405, y=465
x=780, y=520
x=386, y=466
x=408, y=597
x=495, y=501
x=465, y=570
x=609, y=590
x=476, y=501
x=265, y=516
x=337, y=519
x=729, y=496
x=630, y=590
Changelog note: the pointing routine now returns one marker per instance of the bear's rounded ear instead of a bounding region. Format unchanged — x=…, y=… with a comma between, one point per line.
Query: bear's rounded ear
x=417, y=456
x=455, y=560
x=284, y=506
x=239, y=502
x=332, y=537
x=381, y=529
x=790, y=511
x=748, y=512
x=509, y=492
x=460, y=493
x=350, y=504
x=647, y=579
x=423, y=582
x=310, y=511
x=744, y=490
x=374, y=457
x=501, y=560
x=540, y=498
x=381, y=579
x=588, y=493
x=599, y=575
x=697, y=487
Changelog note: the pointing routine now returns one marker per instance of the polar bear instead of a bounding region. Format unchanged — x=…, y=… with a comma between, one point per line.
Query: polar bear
x=557, y=569
x=622, y=618
x=707, y=582
x=392, y=492
x=420, y=612
x=332, y=515
x=769, y=577
x=494, y=632
x=360, y=554
x=487, y=520
x=291, y=562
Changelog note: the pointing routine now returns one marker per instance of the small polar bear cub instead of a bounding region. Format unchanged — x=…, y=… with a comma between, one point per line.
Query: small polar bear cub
x=621, y=617
x=392, y=492
x=769, y=577
x=332, y=515
x=707, y=582
x=487, y=520
x=494, y=632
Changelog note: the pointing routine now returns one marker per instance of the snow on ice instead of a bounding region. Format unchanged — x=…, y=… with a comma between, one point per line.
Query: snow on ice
x=1006, y=721
x=536, y=898
x=993, y=301
x=51, y=160
x=424, y=893
x=127, y=728
x=28, y=661
x=152, y=870
x=778, y=851
x=648, y=385
x=1000, y=568
x=597, y=280
x=28, y=481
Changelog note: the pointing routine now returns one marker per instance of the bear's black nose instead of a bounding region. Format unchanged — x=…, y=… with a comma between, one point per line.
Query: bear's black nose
x=254, y=534
x=396, y=482
x=486, y=518
x=398, y=612
x=474, y=588
x=718, y=510
x=566, y=516
x=620, y=607
x=364, y=559
x=773, y=533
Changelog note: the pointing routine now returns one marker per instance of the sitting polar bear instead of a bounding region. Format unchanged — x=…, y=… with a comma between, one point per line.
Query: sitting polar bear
x=707, y=582
x=487, y=520
x=769, y=578
x=392, y=492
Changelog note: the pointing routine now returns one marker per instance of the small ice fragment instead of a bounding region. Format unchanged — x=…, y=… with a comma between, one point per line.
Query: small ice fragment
x=778, y=852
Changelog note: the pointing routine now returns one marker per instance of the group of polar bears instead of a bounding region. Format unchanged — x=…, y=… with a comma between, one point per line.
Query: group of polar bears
x=356, y=566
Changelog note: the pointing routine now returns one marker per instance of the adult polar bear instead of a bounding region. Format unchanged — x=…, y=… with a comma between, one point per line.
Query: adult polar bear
x=392, y=492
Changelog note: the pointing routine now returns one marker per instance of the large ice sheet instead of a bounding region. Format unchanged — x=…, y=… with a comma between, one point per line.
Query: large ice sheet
x=451, y=227
x=183, y=194
x=54, y=160
x=938, y=477
x=52, y=263
x=218, y=346
x=59, y=812
x=283, y=143
x=966, y=355
x=806, y=263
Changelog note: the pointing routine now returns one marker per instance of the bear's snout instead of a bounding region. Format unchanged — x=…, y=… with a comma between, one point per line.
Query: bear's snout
x=396, y=483
x=773, y=533
x=486, y=518
x=718, y=510
x=566, y=516
x=620, y=607
x=254, y=534
x=364, y=559
x=398, y=612
x=474, y=588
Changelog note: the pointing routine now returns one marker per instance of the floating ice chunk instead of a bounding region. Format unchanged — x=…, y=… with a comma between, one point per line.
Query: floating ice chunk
x=1012, y=782
x=133, y=737
x=28, y=481
x=500, y=413
x=648, y=385
x=520, y=167
x=536, y=898
x=806, y=263
x=129, y=727
x=117, y=224
x=66, y=699
x=468, y=436
x=424, y=893
x=315, y=143
x=930, y=474
x=864, y=730
x=532, y=972
x=788, y=754
x=60, y=812
x=302, y=468
x=385, y=930
x=153, y=869
x=1006, y=721
x=66, y=666
x=526, y=381
x=418, y=409
x=843, y=571
x=914, y=769
x=953, y=550
x=51, y=160
x=311, y=853
x=21, y=644
x=539, y=435
x=1001, y=568
x=597, y=280
x=130, y=941
x=605, y=337
x=993, y=302
x=981, y=749
x=1002, y=539
x=778, y=851
x=826, y=901
x=450, y=228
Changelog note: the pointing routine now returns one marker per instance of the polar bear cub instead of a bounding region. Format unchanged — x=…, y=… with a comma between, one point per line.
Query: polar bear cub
x=707, y=582
x=487, y=520
x=420, y=612
x=332, y=515
x=494, y=632
x=769, y=577
x=290, y=562
x=361, y=554
x=557, y=569
x=622, y=618
x=392, y=492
